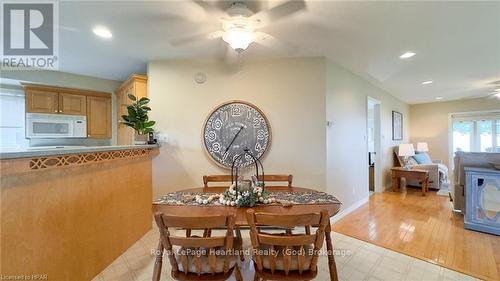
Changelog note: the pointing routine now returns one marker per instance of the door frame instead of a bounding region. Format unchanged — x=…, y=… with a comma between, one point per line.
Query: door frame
x=377, y=137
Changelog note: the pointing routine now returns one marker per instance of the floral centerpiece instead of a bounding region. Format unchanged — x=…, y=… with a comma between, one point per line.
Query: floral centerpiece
x=246, y=194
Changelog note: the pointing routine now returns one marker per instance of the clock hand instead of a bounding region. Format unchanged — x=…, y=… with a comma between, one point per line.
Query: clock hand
x=235, y=136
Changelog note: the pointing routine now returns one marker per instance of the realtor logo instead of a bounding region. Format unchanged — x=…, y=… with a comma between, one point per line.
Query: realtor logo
x=29, y=39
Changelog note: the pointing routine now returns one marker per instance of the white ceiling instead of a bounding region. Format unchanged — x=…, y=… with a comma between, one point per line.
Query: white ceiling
x=457, y=43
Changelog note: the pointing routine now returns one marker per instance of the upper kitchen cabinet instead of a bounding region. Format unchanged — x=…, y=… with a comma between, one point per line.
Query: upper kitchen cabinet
x=99, y=117
x=42, y=101
x=72, y=104
x=136, y=85
x=96, y=106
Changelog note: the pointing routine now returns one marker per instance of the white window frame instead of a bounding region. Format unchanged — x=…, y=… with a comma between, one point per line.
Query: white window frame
x=470, y=116
x=13, y=92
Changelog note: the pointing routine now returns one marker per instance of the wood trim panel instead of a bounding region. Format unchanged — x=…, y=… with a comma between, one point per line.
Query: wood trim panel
x=57, y=89
x=31, y=164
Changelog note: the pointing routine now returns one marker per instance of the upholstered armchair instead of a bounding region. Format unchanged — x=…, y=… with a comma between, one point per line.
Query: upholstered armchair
x=434, y=177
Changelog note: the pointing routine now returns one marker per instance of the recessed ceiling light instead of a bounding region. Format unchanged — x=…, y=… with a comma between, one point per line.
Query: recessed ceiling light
x=439, y=98
x=102, y=32
x=407, y=55
x=427, y=82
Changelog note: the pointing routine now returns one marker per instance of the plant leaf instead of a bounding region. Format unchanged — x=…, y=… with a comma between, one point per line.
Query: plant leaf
x=132, y=97
x=149, y=123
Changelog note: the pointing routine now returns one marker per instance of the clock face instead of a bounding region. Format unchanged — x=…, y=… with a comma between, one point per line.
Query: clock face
x=231, y=128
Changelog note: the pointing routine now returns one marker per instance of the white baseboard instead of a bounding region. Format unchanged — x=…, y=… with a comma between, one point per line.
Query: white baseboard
x=345, y=212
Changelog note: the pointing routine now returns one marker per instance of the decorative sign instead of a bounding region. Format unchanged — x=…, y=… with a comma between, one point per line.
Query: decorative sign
x=397, y=125
x=232, y=127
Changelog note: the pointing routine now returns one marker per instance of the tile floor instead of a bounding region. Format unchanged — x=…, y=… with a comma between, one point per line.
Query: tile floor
x=356, y=260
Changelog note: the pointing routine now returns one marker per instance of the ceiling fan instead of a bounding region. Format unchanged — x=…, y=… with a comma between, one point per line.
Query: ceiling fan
x=240, y=25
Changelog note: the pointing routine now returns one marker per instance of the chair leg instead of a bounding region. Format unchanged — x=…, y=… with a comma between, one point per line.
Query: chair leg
x=237, y=273
x=331, y=260
x=158, y=262
x=240, y=250
x=188, y=233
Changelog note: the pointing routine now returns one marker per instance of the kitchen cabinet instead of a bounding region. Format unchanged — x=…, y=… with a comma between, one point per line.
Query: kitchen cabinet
x=96, y=106
x=42, y=101
x=135, y=85
x=72, y=104
x=99, y=117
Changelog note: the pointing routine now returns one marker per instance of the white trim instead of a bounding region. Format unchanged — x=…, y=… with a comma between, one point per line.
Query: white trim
x=378, y=143
x=345, y=212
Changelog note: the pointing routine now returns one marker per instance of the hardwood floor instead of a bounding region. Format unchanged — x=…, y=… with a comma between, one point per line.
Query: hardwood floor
x=425, y=228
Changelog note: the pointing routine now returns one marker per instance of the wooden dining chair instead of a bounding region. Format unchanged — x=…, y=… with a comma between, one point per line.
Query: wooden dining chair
x=194, y=257
x=285, y=256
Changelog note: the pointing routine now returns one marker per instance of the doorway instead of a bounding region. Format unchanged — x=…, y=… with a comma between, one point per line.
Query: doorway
x=373, y=145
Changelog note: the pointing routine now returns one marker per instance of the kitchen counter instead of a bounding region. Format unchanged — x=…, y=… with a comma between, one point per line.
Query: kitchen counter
x=63, y=150
x=80, y=206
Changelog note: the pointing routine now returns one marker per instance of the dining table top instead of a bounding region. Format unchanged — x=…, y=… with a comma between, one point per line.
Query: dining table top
x=240, y=212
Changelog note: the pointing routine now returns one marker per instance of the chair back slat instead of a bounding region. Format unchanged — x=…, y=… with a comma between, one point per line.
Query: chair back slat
x=197, y=242
x=287, y=221
x=216, y=178
x=292, y=240
x=301, y=259
x=278, y=178
x=287, y=259
x=191, y=248
x=195, y=222
x=288, y=179
x=290, y=247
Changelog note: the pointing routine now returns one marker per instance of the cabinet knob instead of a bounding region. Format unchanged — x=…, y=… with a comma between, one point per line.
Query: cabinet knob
x=61, y=111
x=88, y=135
x=55, y=111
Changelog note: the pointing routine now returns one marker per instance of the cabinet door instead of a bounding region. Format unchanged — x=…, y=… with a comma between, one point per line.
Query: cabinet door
x=42, y=102
x=72, y=104
x=125, y=134
x=99, y=117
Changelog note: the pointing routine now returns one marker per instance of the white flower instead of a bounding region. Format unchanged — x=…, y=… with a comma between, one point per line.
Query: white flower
x=261, y=199
x=259, y=194
x=205, y=202
x=233, y=192
x=232, y=203
x=266, y=201
x=228, y=202
x=239, y=196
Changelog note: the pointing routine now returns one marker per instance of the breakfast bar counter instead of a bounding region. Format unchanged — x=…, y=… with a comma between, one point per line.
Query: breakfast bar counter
x=72, y=208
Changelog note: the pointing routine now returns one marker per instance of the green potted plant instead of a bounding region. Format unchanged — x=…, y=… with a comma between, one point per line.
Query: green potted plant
x=138, y=119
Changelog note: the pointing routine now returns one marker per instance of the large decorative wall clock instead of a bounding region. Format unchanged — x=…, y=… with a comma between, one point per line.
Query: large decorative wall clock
x=232, y=127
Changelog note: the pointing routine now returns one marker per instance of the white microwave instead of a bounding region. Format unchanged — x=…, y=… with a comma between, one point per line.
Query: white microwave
x=40, y=125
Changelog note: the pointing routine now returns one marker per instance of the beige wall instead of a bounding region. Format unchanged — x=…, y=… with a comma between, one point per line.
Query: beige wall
x=63, y=79
x=291, y=92
x=347, y=155
x=429, y=122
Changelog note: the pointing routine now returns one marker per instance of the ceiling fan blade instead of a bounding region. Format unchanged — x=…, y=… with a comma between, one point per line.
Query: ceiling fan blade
x=195, y=38
x=211, y=9
x=270, y=41
x=279, y=12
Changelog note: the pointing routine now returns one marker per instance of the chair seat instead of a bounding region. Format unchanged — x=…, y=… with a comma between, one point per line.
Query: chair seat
x=294, y=264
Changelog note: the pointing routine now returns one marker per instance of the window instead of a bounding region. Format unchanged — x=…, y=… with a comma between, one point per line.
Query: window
x=476, y=132
x=12, y=116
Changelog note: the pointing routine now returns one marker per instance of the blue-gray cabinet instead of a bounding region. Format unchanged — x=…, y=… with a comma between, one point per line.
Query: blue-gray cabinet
x=482, y=200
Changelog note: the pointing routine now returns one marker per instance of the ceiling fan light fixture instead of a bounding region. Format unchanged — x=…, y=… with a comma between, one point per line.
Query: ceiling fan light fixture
x=239, y=38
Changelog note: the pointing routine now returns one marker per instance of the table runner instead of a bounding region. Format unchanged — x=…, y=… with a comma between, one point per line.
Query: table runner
x=183, y=198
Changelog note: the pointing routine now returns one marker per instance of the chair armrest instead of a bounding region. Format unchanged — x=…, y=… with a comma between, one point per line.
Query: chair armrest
x=437, y=161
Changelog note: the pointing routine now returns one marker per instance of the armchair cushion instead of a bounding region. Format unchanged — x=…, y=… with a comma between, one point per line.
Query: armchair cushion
x=422, y=158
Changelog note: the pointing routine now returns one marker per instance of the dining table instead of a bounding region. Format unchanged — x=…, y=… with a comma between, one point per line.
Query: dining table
x=308, y=200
